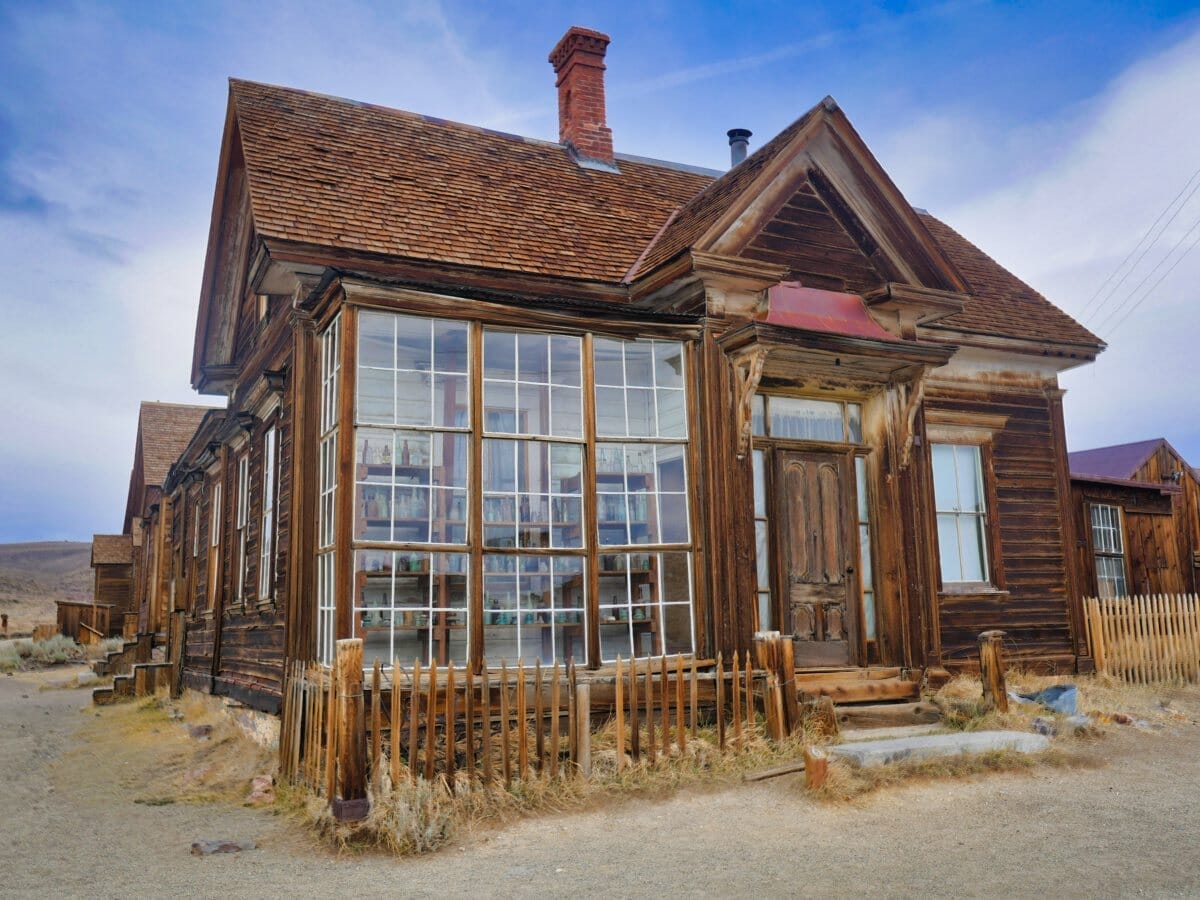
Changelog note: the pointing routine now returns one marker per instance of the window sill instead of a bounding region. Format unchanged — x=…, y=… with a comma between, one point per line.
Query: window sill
x=972, y=589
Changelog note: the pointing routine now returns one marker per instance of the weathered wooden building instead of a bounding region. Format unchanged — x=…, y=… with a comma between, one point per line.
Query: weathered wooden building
x=164, y=430
x=1137, y=514
x=496, y=397
x=112, y=591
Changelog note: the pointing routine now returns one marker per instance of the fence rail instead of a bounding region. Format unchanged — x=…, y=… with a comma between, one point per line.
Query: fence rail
x=1146, y=639
x=520, y=722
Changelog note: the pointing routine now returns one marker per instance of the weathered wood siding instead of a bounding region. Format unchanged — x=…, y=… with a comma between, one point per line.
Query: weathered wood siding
x=114, y=586
x=1033, y=609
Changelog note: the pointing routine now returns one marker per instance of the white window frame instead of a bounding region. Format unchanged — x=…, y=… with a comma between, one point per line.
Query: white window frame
x=267, y=535
x=1108, y=545
x=979, y=520
x=243, y=520
x=214, y=541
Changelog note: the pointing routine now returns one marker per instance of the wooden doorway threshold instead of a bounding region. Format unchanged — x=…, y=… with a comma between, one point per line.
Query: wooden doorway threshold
x=859, y=684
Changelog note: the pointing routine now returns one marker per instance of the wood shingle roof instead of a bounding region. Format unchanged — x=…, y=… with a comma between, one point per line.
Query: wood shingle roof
x=334, y=173
x=164, y=430
x=112, y=549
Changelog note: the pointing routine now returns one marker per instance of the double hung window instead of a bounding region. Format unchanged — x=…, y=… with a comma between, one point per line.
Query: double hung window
x=242, y=523
x=961, y=513
x=1108, y=546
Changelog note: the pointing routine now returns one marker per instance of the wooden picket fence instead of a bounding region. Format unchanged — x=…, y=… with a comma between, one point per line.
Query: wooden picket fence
x=521, y=722
x=1145, y=639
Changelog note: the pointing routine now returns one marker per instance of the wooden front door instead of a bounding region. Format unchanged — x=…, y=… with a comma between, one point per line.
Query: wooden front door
x=817, y=552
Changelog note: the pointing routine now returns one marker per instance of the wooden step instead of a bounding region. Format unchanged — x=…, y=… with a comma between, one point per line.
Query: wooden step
x=103, y=696
x=887, y=715
x=864, y=685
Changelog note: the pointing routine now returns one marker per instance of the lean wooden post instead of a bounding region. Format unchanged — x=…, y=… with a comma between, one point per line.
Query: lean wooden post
x=351, y=802
x=583, y=736
x=991, y=670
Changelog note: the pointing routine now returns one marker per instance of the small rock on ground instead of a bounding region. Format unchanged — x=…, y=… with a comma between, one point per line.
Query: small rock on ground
x=208, y=848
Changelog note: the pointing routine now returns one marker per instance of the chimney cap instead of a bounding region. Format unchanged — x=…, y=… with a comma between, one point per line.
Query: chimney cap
x=578, y=38
x=739, y=134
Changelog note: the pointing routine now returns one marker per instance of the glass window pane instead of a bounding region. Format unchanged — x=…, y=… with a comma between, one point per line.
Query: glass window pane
x=500, y=407
x=566, y=468
x=758, y=414
x=765, y=619
x=673, y=519
x=971, y=542
x=413, y=398
x=869, y=615
x=948, y=548
x=639, y=364
x=969, y=495
x=565, y=359
x=609, y=361
x=802, y=419
x=533, y=405
x=414, y=343
x=533, y=358
x=451, y=404
x=854, y=420
x=762, y=555
x=376, y=398
x=672, y=413
x=945, y=483
x=860, y=477
x=670, y=467
x=499, y=465
x=450, y=342
x=668, y=364
x=610, y=411
x=376, y=340
x=499, y=354
x=760, y=484
x=642, y=417
x=864, y=543
x=566, y=412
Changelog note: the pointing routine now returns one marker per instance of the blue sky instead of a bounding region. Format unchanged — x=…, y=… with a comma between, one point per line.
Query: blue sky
x=1050, y=134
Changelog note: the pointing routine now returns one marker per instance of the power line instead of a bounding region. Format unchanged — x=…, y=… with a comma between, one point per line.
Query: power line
x=1112, y=292
x=1154, y=286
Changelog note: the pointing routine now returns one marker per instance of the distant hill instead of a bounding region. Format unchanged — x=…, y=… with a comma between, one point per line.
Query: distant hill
x=33, y=576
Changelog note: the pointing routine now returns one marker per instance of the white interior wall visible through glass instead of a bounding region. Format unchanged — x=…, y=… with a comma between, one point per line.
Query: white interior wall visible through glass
x=429, y=464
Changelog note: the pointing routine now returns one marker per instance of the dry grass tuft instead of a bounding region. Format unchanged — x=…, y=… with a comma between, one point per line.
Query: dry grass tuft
x=419, y=818
x=148, y=742
x=846, y=782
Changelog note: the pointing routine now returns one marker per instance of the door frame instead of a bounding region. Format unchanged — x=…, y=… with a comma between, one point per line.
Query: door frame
x=774, y=448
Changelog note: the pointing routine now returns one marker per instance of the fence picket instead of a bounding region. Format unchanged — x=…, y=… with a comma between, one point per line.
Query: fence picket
x=1146, y=639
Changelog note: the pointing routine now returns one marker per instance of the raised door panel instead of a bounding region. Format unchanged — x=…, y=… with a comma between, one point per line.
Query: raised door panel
x=816, y=556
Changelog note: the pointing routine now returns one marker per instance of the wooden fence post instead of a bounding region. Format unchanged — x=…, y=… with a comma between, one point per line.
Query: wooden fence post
x=352, y=803
x=991, y=670
x=583, y=737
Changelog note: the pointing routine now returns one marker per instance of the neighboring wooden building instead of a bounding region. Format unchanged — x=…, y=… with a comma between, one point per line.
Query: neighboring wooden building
x=493, y=397
x=112, y=592
x=164, y=430
x=1137, y=509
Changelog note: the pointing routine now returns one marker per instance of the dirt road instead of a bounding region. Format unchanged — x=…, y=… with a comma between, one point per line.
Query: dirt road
x=1131, y=827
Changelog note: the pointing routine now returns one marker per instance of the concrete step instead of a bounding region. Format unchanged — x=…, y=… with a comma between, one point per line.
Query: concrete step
x=854, y=735
x=879, y=753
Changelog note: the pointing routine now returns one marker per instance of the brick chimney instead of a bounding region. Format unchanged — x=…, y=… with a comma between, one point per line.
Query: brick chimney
x=578, y=61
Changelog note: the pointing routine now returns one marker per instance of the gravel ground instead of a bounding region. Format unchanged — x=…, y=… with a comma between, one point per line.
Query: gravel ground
x=1128, y=828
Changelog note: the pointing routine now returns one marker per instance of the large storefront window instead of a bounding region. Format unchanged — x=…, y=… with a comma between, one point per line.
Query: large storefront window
x=472, y=520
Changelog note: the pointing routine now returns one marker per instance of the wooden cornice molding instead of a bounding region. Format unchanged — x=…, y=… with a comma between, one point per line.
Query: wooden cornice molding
x=900, y=308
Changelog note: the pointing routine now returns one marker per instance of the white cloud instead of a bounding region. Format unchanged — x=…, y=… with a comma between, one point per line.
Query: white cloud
x=1076, y=194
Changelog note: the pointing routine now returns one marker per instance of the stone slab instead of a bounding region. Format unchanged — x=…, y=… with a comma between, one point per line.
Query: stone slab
x=854, y=735
x=880, y=753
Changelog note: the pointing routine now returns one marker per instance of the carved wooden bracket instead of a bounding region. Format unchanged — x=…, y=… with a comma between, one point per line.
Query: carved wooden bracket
x=747, y=372
x=908, y=424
